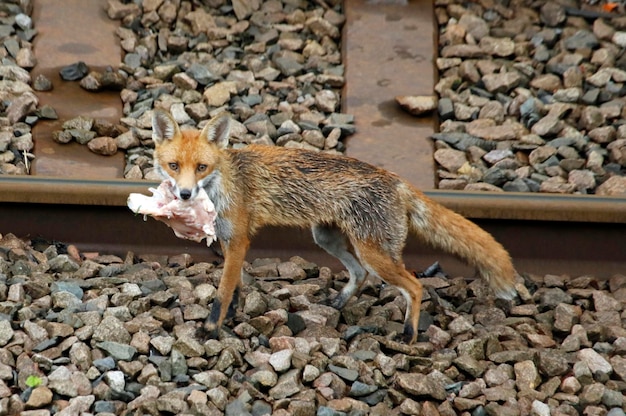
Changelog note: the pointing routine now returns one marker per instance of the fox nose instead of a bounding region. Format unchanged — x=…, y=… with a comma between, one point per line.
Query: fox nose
x=185, y=194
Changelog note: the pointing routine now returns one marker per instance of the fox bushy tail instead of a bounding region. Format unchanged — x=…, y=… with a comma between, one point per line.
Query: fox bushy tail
x=444, y=229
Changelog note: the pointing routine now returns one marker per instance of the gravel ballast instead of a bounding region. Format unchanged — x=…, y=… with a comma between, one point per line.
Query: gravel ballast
x=95, y=333
x=274, y=66
x=531, y=97
x=115, y=334
x=530, y=94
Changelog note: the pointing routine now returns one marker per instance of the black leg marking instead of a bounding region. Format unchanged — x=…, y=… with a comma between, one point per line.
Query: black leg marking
x=409, y=331
x=210, y=330
x=203, y=334
x=234, y=303
x=215, y=312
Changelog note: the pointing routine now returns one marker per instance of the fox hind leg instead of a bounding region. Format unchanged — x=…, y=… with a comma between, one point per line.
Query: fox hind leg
x=335, y=243
x=391, y=269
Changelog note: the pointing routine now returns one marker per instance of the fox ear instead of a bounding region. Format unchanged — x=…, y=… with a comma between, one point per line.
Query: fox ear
x=217, y=131
x=164, y=127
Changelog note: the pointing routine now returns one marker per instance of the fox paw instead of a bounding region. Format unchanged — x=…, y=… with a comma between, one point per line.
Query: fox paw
x=409, y=335
x=206, y=332
x=338, y=302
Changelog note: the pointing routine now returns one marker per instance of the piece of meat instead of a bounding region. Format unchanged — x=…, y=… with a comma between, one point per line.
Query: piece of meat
x=190, y=219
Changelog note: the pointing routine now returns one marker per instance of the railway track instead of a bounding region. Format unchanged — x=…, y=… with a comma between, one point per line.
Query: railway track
x=79, y=198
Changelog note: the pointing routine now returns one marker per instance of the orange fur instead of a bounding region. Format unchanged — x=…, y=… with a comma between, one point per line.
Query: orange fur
x=359, y=213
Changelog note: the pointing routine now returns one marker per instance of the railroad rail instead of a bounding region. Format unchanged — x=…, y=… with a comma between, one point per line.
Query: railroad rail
x=79, y=198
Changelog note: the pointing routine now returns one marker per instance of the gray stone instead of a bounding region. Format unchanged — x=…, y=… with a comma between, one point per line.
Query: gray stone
x=420, y=386
x=345, y=373
x=288, y=384
x=503, y=82
x=359, y=389
x=450, y=159
x=111, y=329
x=60, y=381
x=6, y=332
x=281, y=360
x=600, y=368
x=552, y=14
x=118, y=350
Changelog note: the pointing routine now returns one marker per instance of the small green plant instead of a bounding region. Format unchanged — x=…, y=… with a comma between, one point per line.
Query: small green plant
x=33, y=381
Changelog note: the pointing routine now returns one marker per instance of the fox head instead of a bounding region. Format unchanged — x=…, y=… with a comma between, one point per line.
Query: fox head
x=188, y=158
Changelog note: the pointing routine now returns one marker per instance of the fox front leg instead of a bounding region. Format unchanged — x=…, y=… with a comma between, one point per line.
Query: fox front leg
x=227, y=299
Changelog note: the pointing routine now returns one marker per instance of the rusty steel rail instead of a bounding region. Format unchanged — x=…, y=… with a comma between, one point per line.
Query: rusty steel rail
x=78, y=198
x=544, y=233
x=515, y=206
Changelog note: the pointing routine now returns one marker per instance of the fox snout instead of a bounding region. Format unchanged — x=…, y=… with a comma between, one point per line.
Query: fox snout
x=185, y=194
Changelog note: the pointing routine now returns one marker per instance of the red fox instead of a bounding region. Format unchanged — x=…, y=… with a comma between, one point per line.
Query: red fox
x=359, y=213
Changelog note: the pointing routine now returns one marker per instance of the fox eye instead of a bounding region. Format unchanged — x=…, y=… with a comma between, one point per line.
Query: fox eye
x=173, y=166
x=202, y=168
